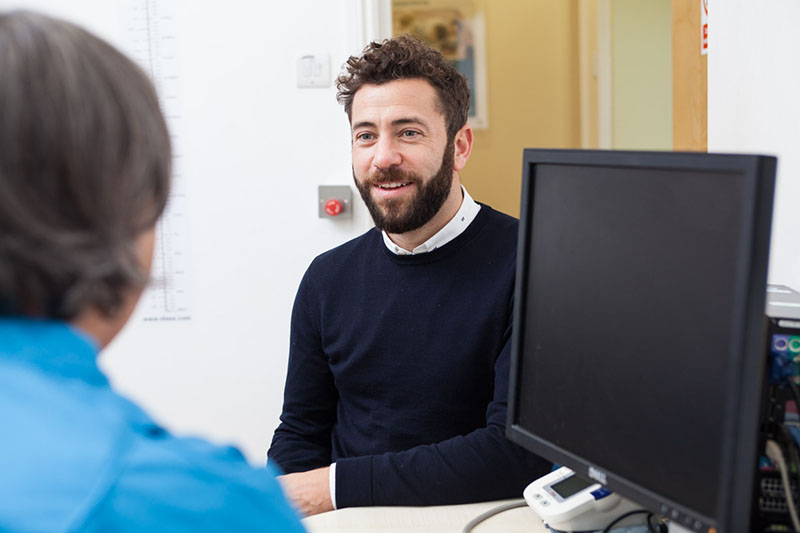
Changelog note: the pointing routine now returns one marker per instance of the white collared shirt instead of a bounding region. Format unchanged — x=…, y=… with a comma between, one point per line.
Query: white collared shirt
x=462, y=219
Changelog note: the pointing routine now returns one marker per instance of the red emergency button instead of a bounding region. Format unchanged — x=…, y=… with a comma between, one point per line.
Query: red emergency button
x=333, y=207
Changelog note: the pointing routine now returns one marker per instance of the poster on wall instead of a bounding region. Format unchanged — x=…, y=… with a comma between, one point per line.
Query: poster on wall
x=457, y=29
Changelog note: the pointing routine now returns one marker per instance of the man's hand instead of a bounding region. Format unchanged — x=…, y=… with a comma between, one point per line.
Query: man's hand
x=309, y=491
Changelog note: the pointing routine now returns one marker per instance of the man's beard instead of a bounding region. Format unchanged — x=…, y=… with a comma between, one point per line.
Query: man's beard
x=401, y=215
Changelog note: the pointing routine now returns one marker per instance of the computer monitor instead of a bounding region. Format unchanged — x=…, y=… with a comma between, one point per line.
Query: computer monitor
x=638, y=342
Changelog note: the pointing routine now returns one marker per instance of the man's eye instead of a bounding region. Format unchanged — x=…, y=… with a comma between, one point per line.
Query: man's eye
x=410, y=133
x=364, y=137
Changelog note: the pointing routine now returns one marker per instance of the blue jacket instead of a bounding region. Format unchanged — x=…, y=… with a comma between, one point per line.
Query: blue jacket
x=76, y=456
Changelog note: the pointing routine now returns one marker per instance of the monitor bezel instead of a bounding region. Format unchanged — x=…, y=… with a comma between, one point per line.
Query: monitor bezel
x=745, y=378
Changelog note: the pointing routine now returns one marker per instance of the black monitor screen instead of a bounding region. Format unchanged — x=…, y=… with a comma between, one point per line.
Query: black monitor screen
x=638, y=297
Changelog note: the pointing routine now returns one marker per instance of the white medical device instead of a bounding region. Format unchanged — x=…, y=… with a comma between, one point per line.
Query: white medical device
x=567, y=502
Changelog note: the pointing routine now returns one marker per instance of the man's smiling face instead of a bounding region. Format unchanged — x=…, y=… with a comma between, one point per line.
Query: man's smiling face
x=402, y=160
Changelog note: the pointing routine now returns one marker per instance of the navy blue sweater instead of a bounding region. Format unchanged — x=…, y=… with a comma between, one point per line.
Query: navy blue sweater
x=398, y=371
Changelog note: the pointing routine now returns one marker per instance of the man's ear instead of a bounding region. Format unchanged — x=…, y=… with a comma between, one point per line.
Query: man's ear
x=462, y=147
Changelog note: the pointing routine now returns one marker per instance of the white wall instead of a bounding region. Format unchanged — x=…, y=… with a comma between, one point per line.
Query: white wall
x=255, y=147
x=754, y=106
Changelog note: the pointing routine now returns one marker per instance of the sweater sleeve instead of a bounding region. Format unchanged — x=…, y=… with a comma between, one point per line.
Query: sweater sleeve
x=479, y=466
x=302, y=441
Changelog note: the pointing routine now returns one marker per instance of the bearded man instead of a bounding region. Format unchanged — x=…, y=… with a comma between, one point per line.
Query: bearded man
x=400, y=342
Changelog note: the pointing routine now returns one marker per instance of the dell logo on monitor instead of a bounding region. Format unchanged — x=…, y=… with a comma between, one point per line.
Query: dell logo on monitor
x=597, y=475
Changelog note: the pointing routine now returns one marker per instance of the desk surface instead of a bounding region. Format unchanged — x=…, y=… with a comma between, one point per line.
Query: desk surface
x=438, y=519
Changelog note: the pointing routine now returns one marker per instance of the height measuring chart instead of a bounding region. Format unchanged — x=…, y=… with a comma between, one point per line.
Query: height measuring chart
x=150, y=33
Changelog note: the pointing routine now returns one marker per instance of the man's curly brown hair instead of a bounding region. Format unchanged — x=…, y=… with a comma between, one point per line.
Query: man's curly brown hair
x=406, y=57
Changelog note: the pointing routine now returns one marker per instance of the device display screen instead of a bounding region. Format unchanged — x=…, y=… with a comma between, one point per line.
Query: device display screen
x=567, y=487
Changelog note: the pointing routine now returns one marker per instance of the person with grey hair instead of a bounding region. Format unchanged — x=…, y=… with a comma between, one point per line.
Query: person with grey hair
x=84, y=176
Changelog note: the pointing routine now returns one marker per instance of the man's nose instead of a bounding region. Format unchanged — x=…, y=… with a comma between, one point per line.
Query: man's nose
x=387, y=154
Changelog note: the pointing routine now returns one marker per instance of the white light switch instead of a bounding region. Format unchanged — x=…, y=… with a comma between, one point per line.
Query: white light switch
x=314, y=70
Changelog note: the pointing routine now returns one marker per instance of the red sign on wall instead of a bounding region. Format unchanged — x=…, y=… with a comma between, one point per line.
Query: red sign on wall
x=704, y=27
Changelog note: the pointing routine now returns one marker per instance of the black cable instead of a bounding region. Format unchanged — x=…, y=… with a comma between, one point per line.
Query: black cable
x=660, y=525
x=795, y=391
x=794, y=458
x=793, y=445
x=620, y=518
x=650, y=527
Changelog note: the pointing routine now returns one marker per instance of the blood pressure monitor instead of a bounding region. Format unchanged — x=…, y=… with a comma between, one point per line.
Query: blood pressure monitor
x=567, y=502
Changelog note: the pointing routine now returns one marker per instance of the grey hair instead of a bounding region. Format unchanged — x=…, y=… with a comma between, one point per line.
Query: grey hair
x=84, y=168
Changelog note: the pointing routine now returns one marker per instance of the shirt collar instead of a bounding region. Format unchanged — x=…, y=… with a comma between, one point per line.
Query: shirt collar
x=462, y=219
x=51, y=346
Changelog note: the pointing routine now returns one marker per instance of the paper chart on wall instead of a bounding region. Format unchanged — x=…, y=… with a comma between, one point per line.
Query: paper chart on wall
x=151, y=39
